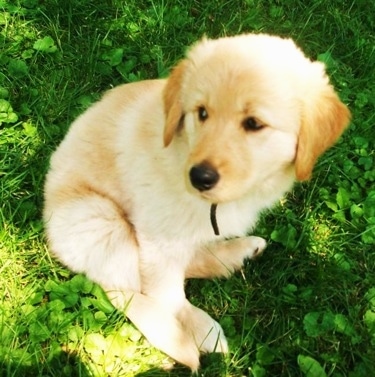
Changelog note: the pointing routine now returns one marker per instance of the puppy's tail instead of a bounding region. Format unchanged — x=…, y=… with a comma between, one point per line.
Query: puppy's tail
x=160, y=327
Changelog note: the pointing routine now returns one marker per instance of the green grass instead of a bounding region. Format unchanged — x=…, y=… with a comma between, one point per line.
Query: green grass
x=305, y=308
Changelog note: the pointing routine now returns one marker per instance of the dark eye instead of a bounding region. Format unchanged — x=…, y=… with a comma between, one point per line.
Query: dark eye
x=202, y=113
x=252, y=124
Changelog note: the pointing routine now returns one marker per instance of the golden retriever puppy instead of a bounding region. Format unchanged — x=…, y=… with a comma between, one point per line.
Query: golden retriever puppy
x=161, y=180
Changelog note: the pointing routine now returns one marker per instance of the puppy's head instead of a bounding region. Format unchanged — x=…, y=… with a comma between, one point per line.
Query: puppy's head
x=255, y=114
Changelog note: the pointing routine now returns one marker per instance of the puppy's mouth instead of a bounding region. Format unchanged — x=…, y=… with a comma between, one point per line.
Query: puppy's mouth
x=203, y=177
x=205, y=181
x=210, y=184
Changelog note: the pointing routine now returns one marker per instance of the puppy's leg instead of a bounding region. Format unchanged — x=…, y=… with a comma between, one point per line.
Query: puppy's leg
x=163, y=276
x=222, y=258
x=91, y=235
x=161, y=327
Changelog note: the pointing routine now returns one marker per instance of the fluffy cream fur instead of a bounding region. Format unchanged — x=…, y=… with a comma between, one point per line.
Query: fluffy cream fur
x=120, y=205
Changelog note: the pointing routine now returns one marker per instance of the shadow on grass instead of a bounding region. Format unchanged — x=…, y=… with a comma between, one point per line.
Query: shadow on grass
x=63, y=364
x=212, y=365
x=157, y=372
x=69, y=365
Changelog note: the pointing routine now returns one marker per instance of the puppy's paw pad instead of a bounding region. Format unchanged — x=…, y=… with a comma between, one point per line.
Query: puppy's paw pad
x=256, y=246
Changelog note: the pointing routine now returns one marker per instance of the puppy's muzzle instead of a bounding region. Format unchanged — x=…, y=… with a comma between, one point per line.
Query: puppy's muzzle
x=203, y=177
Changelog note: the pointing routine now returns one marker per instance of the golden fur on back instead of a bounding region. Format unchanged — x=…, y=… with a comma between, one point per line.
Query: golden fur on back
x=130, y=188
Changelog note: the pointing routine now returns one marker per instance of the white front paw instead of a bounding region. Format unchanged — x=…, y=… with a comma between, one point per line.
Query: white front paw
x=255, y=246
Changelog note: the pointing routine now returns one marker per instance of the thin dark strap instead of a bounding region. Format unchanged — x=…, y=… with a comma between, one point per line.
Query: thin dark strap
x=213, y=219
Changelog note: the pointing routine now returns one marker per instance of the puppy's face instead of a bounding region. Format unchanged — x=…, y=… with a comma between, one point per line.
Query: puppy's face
x=236, y=137
x=255, y=114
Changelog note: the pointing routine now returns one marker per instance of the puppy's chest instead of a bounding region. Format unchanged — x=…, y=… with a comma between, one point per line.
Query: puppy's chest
x=178, y=220
x=163, y=210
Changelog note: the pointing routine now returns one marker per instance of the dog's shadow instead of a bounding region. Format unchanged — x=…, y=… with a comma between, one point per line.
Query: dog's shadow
x=156, y=372
x=212, y=365
x=62, y=364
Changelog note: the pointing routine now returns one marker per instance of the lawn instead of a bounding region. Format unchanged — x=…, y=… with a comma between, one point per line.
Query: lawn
x=305, y=308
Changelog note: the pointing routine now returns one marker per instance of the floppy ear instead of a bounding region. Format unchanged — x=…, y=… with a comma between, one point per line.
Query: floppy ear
x=172, y=102
x=323, y=121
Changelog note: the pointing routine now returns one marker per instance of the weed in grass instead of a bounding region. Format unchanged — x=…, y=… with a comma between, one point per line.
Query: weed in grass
x=307, y=307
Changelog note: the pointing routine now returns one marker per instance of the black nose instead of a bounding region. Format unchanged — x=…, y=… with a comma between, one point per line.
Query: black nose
x=203, y=177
